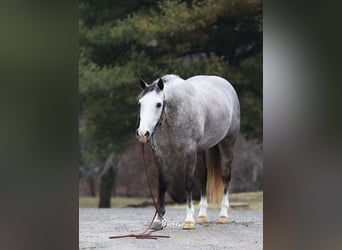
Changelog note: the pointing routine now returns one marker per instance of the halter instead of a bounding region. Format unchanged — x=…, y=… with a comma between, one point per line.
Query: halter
x=161, y=118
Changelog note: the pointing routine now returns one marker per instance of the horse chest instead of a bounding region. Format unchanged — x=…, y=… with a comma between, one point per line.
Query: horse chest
x=171, y=143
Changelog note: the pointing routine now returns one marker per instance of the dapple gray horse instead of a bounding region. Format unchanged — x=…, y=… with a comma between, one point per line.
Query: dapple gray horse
x=193, y=122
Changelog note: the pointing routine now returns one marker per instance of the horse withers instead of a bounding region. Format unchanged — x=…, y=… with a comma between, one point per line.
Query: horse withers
x=193, y=122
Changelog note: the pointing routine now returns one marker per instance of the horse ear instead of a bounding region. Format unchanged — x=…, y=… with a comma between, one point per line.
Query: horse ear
x=160, y=84
x=143, y=84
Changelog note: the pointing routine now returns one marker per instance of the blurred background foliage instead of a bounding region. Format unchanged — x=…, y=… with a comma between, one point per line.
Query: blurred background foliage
x=121, y=41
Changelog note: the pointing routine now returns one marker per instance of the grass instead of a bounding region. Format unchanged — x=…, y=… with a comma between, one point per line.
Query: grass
x=253, y=199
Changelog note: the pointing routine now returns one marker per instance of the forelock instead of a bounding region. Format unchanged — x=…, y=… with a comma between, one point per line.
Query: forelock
x=148, y=89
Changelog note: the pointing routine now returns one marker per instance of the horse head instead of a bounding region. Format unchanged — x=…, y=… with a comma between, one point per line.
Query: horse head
x=150, y=109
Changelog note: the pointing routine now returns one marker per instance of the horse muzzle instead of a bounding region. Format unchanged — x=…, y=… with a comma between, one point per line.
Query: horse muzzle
x=143, y=136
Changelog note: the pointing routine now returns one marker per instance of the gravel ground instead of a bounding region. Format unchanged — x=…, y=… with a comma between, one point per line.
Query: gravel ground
x=244, y=231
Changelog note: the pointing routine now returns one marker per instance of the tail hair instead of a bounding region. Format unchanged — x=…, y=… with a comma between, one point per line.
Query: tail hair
x=214, y=177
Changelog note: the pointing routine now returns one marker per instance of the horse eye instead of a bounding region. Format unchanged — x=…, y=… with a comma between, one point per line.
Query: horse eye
x=158, y=105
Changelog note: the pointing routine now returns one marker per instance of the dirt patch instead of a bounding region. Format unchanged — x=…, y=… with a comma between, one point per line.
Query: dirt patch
x=244, y=231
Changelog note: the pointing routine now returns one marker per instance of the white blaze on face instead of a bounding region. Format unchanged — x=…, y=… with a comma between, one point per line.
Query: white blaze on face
x=150, y=112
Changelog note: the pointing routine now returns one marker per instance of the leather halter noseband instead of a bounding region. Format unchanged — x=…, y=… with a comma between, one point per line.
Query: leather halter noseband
x=161, y=118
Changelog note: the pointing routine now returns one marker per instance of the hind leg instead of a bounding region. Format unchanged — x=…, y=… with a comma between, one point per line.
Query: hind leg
x=189, y=165
x=202, y=176
x=226, y=151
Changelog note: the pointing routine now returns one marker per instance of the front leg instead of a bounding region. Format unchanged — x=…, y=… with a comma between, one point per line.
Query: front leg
x=162, y=171
x=189, y=166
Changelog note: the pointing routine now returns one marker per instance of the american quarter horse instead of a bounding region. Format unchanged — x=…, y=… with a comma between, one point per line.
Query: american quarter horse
x=193, y=122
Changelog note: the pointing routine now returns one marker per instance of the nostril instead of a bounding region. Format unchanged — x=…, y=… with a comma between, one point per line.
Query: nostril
x=137, y=133
x=147, y=134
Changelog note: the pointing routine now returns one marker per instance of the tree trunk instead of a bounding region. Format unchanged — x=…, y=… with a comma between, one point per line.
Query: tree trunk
x=107, y=181
x=106, y=185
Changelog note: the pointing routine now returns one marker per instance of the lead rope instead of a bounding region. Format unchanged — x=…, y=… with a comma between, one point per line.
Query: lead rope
x=147, y=234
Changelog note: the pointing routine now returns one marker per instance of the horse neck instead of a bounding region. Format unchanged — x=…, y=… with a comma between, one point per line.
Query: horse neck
x=175, y=94
x=177, y=100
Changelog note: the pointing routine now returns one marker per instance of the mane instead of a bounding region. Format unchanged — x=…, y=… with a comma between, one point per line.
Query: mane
x=169, y=77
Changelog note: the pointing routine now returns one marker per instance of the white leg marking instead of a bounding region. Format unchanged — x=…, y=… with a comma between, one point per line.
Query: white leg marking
x=203, y=215
x=157, y=224
x=190, y=213
x=203, y=207
x=157, y=220
x=223, y=217
x=189, y=222
x=224, y=205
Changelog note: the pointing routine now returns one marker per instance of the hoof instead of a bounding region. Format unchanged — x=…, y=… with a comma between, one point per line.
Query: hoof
x=188, y=225
x=156, y=226
x=222, y=219
x=202, y=219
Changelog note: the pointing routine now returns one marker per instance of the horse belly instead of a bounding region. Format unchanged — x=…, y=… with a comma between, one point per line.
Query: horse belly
x=213, y=133
x=219, y=112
